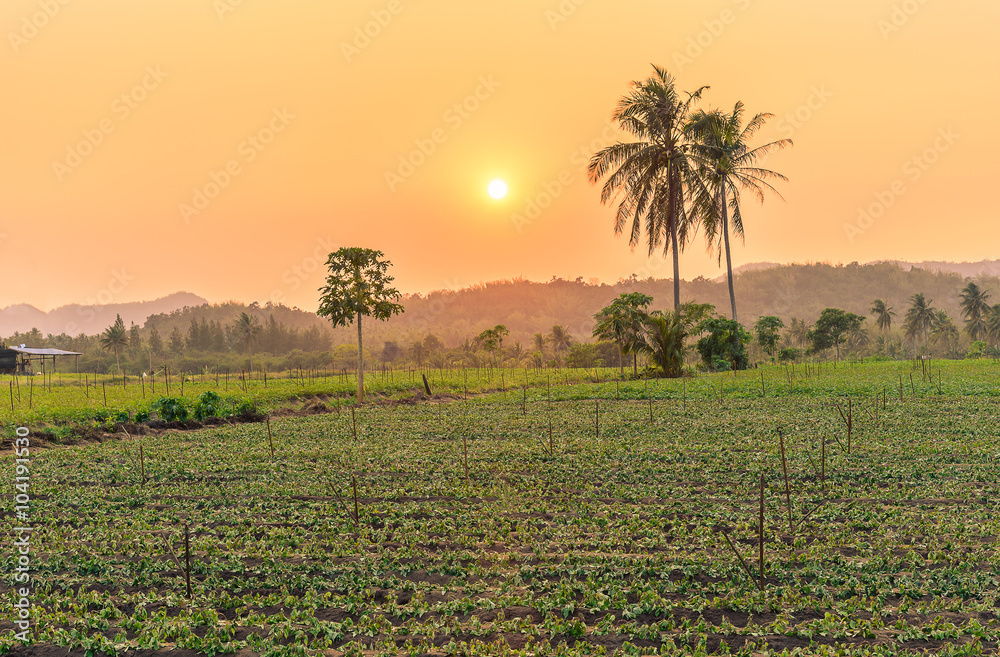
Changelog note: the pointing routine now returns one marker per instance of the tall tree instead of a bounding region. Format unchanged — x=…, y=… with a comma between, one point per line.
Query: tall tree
x=883, y=314
x=919, y=318
x=538, y=341
x=993, y=324
x=651, y=174
x=975, y=306
x=561, y=340
x=247, y=329
x=768, y=330
x=115, y=338
x=622, y=322
x=832, y=327
x=727, y=165
x=357, y=286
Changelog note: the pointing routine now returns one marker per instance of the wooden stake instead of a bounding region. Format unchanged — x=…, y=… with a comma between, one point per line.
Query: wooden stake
x=784, y=471
x=187, y=560
x=270, y=441
x=760, y=533
x=354, y=425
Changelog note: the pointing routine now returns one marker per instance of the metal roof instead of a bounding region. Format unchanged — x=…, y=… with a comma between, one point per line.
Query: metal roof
x=44, y=352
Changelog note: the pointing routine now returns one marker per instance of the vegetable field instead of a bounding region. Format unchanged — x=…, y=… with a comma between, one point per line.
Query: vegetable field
x=581, y=519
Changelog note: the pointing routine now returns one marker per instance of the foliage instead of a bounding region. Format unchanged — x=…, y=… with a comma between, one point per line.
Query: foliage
x=726, y=166
x=209, y=404
x=357, y=285
x=832, y=327
x=622, y=321
x=170, y=409
x=789, y=354
x=551, y=545
x=653, y=175
x=768, y=330
x=664, y=342
x=724, y=346
x=115, y=338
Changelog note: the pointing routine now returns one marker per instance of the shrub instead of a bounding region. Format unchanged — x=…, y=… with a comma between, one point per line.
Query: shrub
x=170, y=409
x=208, y=405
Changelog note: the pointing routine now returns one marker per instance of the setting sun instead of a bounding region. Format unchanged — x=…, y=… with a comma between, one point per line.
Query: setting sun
x=497, y=189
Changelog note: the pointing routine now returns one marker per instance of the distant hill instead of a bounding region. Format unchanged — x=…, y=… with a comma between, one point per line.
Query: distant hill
x=75, y=319
x=527, y=307
x=786, y=291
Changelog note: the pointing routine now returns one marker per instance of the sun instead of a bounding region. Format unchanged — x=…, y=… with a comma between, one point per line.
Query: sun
x=497, y=189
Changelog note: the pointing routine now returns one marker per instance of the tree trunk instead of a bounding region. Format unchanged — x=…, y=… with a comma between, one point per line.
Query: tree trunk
x=621, y=366
x=729, y=261
x=635, y=364
x=361, y=365
x=677, y=266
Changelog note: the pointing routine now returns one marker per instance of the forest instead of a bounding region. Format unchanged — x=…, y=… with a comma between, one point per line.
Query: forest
x=548, y=323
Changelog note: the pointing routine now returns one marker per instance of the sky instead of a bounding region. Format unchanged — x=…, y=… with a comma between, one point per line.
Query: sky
x=226, y=147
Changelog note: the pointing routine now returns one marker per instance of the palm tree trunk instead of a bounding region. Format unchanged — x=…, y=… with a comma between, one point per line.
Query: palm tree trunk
x=729, y=261
x=621, y=367
x=677, y=266
x=361, y=365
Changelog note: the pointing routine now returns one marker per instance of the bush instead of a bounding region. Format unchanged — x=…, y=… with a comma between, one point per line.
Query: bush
x=170, y=409
x=789, y=353
x=208, y=405
x=976, y=350
x=724, y=347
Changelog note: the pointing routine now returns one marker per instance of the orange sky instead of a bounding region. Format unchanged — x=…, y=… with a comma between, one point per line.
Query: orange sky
x=290, y=116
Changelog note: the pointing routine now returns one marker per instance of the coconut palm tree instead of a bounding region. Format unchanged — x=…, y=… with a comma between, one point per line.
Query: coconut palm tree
x=798, y=331
x=993, y=324
x=651, y=175
x=883, y=314
x=975, y=306
x=561, y=340
x=919, y=318
x=247, y=330
x=944, y=331
x=727, y=165
x=115, y=338
x=664, y=341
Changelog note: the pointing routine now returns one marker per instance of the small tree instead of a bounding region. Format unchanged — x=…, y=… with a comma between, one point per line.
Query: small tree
x=492, y=340
x=831, y=328
x=247, y=329
x=724, y=346
x=358, y=285
x=115, y=338
x=622, y=322
x=768, y=329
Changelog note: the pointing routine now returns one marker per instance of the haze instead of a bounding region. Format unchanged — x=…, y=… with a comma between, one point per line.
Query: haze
x=225, y=147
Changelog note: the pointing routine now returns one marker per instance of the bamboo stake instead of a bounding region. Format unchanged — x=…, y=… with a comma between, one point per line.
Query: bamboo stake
x=760, y=533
